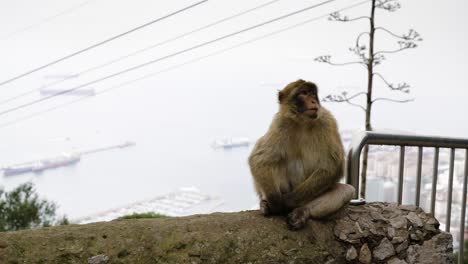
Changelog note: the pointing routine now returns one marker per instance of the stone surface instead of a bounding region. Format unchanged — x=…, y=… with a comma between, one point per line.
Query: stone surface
x=372, y=233
x=384, y=250
x=99, y=259
x=436, y=250
x=398, y=222
x=402, y=246
x=396, y=260
x=351, y=254
x=391, y=232
x=414, y=219
x=365, y=255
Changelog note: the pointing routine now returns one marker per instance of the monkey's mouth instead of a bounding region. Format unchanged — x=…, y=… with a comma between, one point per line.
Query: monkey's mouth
x=311, y=113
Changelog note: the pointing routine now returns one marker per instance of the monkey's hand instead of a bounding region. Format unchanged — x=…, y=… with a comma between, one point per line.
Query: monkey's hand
x=275, y=205
x=290, y=200
x=264, y=208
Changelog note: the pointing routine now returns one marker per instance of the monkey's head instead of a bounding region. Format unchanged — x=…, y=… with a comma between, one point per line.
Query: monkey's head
x=299, y=100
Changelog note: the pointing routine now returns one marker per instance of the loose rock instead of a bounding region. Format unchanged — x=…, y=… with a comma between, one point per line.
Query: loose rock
x=365, y=255
x=99, y=259
x=351, y=254
x=396, y=260
x=402, y=246
x=398, y=222
x=414, y=219
x=384, y=250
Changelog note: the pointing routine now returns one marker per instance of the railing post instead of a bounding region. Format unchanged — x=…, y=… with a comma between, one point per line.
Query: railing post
x=400, y=176
x=418, y=176
x=434, y=180
x=353, y=169
x=461, y=241
x=449, y=194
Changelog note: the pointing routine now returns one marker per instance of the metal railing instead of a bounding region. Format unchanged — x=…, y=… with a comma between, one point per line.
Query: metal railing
x=373, y=138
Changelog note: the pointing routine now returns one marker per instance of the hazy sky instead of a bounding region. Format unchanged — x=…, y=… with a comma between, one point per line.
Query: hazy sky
x=436, y=70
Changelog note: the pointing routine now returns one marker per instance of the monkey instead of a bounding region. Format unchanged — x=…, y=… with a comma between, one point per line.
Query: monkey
x=297, y=164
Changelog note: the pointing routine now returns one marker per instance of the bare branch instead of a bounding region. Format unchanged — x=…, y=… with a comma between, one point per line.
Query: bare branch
x=360, y=50
x=402, y=87
x=359, y=37
x=354, y=96
x=403, y=46
x=356, y=105
x=336, y=16
x=378, y=58
x=392, y=100
x=388, y=5
x=342, y=98
x=412, y=34
x=326, y=59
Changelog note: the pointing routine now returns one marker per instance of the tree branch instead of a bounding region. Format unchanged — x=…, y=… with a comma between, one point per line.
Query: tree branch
x=403, y=46
x=360, y=35
x=412, y=35
x=326, y=59
x=392, y=100
x=389, y=5
x=402, y=87
x=336, y=16
x=354, y=96
x=343, y=98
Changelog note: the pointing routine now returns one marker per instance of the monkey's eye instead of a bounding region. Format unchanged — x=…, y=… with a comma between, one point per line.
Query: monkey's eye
x=304, y=92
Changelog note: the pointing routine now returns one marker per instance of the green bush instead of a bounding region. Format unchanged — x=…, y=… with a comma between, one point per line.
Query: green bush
x=21, y=208
x=142, y=215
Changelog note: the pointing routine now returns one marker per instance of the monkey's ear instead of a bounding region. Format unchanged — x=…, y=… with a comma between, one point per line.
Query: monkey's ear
x=280, y=97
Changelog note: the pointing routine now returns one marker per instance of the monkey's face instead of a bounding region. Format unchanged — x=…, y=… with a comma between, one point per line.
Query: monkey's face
x=300, y=99
x=307, y=102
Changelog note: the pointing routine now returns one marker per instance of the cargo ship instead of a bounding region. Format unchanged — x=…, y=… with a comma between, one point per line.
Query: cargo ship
x=44, y=164
x=228, y=143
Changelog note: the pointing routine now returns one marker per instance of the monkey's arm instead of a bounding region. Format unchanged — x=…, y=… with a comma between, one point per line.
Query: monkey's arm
x=266, y=167
x=320, y=181
x=328, y=170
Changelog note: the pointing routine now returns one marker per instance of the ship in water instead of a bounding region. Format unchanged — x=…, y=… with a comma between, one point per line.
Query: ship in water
x=64, y=159
x=228, y=143
x=38, y=166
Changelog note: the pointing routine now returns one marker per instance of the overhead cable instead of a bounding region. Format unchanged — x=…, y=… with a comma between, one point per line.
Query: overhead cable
x=91, y=69
x=123, y=84
x=100, y=43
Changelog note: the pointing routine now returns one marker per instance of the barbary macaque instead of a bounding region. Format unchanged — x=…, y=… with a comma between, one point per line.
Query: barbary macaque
x=297, y=164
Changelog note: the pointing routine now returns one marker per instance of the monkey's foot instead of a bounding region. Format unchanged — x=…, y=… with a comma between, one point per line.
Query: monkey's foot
x=264, y=208
x=297, y=219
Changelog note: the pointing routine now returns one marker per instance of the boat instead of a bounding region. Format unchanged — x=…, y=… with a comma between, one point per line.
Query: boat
x=59, y=161
x=228, y=143
x=17, y=169
x=38, y=166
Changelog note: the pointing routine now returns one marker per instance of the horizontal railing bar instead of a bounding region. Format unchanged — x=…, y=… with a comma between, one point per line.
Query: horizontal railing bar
x=375, y=138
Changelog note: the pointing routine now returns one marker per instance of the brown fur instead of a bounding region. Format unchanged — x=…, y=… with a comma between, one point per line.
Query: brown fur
x=298, y=160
